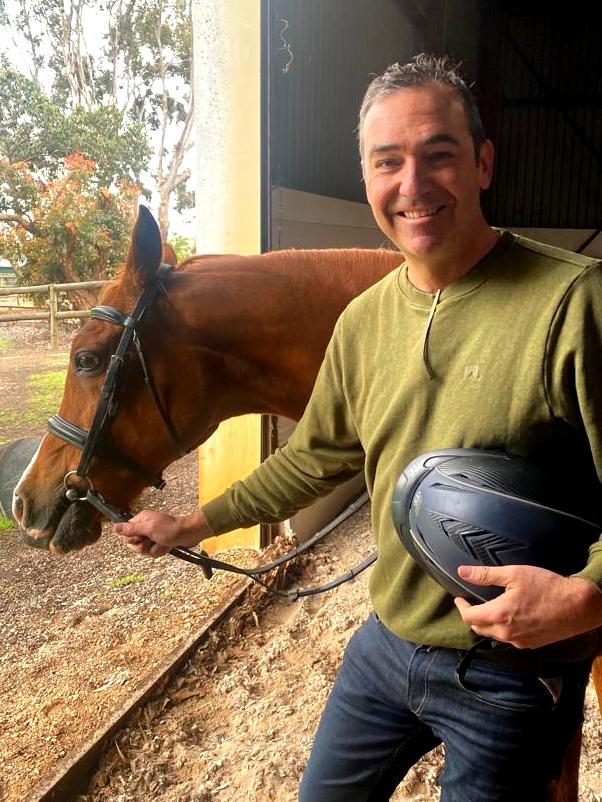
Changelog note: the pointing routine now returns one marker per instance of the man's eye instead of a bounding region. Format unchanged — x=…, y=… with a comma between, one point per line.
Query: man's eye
x=440, y=155
x=87, y=362
x=384, y=164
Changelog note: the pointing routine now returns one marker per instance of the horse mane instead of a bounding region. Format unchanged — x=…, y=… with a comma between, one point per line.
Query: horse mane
x=345, y=262
x=353, y=256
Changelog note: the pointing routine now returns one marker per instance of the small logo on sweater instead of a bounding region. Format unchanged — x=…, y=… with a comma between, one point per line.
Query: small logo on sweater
x=471, y=372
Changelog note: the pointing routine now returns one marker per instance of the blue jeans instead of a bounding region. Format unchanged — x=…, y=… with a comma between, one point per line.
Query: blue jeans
x=505, y=735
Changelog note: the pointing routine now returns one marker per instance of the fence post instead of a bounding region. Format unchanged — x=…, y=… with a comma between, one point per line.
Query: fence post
x=54, y=325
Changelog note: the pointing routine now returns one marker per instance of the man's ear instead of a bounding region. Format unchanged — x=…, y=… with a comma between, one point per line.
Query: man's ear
x=144, y=256
x=485, y=165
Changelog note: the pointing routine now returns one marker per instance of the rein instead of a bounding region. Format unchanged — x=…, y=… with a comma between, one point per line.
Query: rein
x=95, y=442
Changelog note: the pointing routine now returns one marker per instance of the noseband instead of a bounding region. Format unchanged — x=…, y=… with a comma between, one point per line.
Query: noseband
x=95, y=442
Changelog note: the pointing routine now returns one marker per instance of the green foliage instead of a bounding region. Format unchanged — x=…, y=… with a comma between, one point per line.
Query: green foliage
x=183, y=246
x=73, y=229
x=5, y=524
x=36, y=130
x=124, y=581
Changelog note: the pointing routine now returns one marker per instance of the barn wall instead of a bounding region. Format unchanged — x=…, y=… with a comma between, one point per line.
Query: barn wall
x=323, y=54
x=305, y=220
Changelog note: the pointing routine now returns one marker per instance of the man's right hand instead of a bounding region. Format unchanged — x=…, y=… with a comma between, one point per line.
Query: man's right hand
x=156, y=533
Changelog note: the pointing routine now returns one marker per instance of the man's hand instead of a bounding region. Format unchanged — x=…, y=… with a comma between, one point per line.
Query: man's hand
x=537, y=606
x=155, y=533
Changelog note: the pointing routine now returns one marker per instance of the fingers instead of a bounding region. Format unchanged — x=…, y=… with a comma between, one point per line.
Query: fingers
x=487, y=574
x=143, y=532
x=462, y=604
x=145, y=546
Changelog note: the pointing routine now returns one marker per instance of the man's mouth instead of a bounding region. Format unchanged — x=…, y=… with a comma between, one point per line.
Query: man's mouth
x=416, y=214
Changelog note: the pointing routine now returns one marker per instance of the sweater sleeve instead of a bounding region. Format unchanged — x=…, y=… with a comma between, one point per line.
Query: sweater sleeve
x=323, y=452
x=573, y=371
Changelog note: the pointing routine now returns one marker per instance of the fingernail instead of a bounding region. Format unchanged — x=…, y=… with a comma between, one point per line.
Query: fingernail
x=465, y=571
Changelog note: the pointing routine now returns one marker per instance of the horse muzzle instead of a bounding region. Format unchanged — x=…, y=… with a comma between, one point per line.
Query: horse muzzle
x=58, y=528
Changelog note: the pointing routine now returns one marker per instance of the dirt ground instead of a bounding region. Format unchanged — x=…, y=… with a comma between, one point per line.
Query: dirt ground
x=238, y=722
x=79, y=634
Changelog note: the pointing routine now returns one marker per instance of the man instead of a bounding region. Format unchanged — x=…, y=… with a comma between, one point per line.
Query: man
x=480, y=339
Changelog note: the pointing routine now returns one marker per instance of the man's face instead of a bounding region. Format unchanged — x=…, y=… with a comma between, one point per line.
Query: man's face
x=422, y=178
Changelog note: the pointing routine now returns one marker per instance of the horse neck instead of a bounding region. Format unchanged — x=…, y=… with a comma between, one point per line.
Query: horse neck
x=262, y=323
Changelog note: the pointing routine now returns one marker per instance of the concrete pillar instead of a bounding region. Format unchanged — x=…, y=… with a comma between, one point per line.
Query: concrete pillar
x=227, y=84
x=227, y=128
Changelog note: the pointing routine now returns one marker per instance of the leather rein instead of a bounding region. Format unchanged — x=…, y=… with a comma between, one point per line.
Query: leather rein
x=95, y=442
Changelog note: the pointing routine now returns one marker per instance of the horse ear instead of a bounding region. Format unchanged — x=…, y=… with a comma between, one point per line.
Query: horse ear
x=145, y=251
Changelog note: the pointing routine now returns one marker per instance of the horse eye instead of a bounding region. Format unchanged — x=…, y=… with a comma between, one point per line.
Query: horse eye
x=87, y=362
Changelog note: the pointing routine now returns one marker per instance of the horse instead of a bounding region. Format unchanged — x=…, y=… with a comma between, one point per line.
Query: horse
x=218, y=336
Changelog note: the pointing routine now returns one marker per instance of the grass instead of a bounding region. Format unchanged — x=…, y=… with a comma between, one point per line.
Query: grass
x=45, y=393
x=123, y=581
x=5, y=524
x=5, y=343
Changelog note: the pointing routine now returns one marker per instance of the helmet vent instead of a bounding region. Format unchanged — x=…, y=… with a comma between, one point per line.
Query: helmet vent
x=486, y=547
x=492, y=479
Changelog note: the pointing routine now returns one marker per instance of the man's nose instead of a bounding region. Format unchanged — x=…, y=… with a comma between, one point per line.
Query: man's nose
x=413, y=179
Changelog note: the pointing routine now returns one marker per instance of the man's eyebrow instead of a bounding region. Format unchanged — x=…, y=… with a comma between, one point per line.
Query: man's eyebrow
x=383, y=149
x=436, y=139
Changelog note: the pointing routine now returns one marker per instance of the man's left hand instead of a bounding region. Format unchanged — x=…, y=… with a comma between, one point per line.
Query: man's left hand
x=537, y=606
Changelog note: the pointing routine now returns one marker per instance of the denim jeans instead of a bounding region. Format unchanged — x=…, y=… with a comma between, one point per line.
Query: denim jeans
x=393, y=701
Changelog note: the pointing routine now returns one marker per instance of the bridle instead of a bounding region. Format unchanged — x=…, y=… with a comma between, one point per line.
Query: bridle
x=95, y=442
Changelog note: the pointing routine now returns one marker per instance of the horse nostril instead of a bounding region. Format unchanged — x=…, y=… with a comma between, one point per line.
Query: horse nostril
x=18, y=507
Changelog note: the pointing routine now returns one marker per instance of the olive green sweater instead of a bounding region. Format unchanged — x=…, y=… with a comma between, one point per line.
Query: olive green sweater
x=507, y=357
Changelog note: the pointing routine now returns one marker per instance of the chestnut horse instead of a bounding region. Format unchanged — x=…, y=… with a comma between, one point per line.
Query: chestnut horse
x=223, y=336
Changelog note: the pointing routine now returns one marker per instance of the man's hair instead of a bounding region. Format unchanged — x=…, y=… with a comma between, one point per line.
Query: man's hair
x=423, y=70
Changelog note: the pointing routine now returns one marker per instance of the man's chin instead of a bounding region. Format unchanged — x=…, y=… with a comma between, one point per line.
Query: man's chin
x=419, y=248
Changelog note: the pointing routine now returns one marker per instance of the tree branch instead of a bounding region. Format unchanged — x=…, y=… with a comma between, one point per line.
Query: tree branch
x=21, y=221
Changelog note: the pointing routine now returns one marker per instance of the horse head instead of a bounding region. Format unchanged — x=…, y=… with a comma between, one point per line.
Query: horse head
x=120, y=394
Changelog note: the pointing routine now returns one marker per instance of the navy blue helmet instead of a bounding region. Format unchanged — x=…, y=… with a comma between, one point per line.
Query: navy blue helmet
x=472, y=507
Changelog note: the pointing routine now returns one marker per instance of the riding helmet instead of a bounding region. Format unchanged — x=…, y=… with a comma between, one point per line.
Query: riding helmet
x=473, y=507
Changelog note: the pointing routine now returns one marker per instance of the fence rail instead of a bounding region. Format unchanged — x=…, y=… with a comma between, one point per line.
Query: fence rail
x=52, y=315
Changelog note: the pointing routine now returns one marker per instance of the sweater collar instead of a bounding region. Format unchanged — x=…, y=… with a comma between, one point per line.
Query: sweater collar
x=476, y=276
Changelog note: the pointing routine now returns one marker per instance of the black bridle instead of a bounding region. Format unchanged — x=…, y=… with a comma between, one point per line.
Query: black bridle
x=95, y=442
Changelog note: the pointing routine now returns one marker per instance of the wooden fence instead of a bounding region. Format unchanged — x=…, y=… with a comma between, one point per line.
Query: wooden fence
x=52, y=315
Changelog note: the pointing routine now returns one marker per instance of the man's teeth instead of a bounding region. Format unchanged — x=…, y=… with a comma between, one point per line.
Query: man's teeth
x=422, y=213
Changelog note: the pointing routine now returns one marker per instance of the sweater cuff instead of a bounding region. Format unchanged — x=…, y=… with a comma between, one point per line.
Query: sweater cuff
x=219, y=515
x=593, y=571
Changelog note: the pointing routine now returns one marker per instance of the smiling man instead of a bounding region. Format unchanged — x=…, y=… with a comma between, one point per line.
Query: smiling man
x=424, y=173
x=480, y=339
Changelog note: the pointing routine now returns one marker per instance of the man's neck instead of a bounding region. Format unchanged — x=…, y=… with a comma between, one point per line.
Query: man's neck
x=430, y=275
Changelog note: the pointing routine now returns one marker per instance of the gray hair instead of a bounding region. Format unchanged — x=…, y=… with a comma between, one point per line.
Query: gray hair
x=423, y=70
